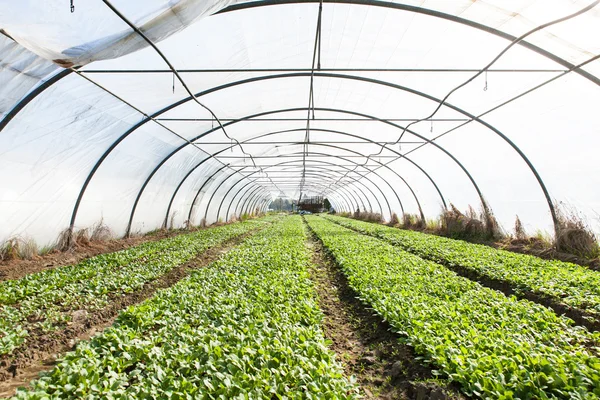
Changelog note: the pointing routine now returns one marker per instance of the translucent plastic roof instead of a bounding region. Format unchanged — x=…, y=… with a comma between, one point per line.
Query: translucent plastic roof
x=341, y=99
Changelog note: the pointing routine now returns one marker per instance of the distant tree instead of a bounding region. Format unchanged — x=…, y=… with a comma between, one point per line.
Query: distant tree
x=327, y=204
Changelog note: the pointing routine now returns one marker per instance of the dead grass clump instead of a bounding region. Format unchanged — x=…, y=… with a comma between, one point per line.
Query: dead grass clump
x=412, y=221
x=433, y=225
x=471, y=226
x=82, y=237
x=457, y=225
x=18, y=248
x=368, y=216
x=65, y=240
x=574, y=236
x=9, y=250
x=100, y=232
x=394, y=220
x=28, y=249
x=519, y=230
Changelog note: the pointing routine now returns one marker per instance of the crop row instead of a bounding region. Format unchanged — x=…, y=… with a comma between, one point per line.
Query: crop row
x=565, y=283
x=494, y=346
x=245, y=327
x=47, y=299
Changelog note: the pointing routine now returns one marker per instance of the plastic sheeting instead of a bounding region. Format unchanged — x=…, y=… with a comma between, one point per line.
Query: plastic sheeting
x=53, y=32
x=75, y=153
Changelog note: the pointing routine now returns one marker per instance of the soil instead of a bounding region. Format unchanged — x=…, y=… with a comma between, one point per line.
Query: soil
x=365, y=344
x=43, y=350
x=15, y=269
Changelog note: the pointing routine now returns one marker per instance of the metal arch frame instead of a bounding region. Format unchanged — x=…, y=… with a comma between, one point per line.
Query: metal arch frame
x=183, y=180
x=255, y=195
x=268, y=77
x=398, y=87
x=266, y=192
x=383, y=4
x=181, y=183
x=215, y=191
x=334, y=200
x=349, y=194
x=250, y=189
x=197, y=193
x=250, y=192
x=326, y=145
x=378, y=162
x=342, y=148
x=247, y=176
x=313, y=174
x=41, y=88
x=279, y=111
x=424, y=11
x=318, y=172
x=354, y=180
x=323, y=162
x=344, y=133
x=260, y=194
x=540, y=181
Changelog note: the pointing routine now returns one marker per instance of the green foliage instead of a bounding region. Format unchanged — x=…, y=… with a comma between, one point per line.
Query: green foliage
x=566, y=283
x=494, y=346
x=245, y=327
x=46, y=300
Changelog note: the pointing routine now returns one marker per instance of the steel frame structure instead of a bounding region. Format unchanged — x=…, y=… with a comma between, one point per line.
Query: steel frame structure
x=325, y=73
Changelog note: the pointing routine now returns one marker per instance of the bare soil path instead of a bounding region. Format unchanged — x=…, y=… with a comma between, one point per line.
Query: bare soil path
x=365, y=344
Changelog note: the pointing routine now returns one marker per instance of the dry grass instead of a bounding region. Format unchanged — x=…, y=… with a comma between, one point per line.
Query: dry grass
x=367, y=216
x=574, y=235
x=65, y=240
x=394, y=220
x=412, y=221
x=9, y=250
x=471, y=226
x=520, y=233
x=18, y=248
x=100, y=232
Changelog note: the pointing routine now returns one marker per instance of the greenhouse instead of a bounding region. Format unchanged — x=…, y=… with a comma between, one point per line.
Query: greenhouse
x=137, y=137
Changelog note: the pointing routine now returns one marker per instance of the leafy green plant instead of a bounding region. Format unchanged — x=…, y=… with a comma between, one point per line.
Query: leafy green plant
x=565, y=283
x=47, y=299
x=494, y=346
x=245, y=327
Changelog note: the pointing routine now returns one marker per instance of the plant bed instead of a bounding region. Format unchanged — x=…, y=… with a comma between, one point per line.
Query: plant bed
x=492, y=345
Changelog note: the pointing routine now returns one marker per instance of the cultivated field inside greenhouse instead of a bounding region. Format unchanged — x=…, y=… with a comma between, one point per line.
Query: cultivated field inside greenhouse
x=314, y=306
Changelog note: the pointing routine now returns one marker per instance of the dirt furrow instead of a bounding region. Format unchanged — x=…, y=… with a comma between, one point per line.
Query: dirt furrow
x=366, y=345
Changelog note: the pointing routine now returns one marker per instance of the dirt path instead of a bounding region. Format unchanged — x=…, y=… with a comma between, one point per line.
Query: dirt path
x=365, y=344
x=42, y=351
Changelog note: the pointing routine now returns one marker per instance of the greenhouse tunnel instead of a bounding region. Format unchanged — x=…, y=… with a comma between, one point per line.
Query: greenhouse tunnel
x=144, y=115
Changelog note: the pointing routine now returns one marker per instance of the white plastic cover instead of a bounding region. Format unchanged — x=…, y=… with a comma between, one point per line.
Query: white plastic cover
x=383, y=65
